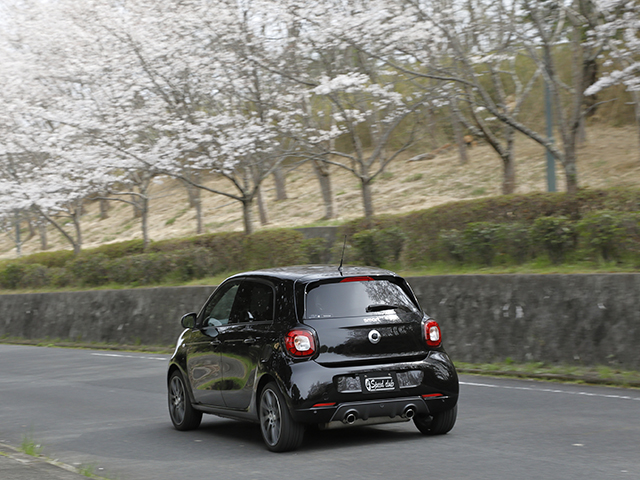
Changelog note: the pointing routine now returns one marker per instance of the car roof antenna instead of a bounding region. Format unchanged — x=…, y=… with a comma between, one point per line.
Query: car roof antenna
x=342, y=256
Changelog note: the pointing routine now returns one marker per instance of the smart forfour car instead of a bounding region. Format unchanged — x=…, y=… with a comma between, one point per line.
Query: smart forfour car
x=293, y=347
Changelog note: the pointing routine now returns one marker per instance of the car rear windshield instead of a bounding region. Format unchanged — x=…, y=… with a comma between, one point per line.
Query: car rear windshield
x=356, y=298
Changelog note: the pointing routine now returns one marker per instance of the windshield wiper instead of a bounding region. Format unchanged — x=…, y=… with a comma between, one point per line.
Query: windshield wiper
x=379, y=307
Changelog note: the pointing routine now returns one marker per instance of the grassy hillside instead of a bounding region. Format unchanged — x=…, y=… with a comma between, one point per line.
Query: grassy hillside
x=609, y=158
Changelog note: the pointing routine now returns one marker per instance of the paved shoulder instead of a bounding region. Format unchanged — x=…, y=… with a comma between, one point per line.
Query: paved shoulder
x=15, y=465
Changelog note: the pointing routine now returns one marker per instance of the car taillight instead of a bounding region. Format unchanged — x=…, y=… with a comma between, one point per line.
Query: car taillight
x=356, y=279
x=432, y=333
x=300, y=343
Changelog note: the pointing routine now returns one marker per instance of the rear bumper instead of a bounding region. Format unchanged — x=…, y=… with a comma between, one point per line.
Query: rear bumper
x=374, y=411
x=314, y=397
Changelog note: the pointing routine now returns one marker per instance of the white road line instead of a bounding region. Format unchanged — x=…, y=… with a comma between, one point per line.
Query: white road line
x=550, y=390
x=127, y=356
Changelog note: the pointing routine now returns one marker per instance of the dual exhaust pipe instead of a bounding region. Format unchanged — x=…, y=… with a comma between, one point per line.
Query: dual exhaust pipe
x=351, y=416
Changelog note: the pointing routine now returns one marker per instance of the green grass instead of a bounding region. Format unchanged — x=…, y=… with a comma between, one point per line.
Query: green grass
x=599, y=374
x=29, y=446
x=413, y=178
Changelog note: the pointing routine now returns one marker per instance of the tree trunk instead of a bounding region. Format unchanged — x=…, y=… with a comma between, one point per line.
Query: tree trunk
x=571, y=175
x=77, y=245
x=143, y=207
x=42, y=230
x=324, y=178
x=508, y=160
x=280, y=181
x=195, y=201
x=367, y=198
x=104, y=209
x=247, y=215
x=457, y=131
x=18, y=239
x=636, y=109
x=137, y=211
x=262, y=209
x=198, y=207
x=32, y=231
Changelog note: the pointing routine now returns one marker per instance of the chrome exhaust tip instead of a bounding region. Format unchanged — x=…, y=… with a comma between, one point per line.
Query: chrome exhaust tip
x=409, y=412
x=350, y=417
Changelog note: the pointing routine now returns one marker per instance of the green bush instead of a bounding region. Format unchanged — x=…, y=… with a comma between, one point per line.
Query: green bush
x=118, y=249
x=51, y=259
x=603, y=233
x=315, y=250
x=144, y=269
x=60, y=277
x=423, y=228
x=453, y=244
x=480, y=241
x=274, y=248
x=378, y=247
x=35, y=276
x=365, y=248
x=11, y=275
x=90, y=269
x=191, y=264
x=556, y=235
x=513, y=240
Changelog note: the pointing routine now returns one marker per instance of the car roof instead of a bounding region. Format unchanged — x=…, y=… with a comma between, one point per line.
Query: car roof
x=311, y=273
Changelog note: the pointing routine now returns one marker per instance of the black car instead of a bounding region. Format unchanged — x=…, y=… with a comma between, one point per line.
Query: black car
x=294, y=347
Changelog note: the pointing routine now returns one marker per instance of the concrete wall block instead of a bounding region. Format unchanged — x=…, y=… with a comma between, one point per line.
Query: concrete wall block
x=570, y=319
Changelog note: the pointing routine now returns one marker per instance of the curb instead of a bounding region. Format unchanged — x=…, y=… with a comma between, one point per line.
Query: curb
x=19, y=465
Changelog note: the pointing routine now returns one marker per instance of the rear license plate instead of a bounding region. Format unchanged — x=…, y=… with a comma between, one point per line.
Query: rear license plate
x=379, y=384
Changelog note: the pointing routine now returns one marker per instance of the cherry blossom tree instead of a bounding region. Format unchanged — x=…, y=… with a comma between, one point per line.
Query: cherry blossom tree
x=620, y=33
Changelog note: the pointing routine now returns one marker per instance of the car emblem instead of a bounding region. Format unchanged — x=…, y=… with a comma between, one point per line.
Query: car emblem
x=374, y=336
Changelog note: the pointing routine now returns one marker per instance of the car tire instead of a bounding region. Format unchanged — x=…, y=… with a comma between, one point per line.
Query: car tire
x=182, y=413
x=279, y=431
x=437, y=424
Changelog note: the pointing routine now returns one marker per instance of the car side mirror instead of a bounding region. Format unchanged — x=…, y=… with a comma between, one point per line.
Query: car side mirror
x=188, y=320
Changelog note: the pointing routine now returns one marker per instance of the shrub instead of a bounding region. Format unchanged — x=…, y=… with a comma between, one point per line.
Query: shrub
x=118, y=249
x=365, y=249
x=315, y=250
x=11, y=275
x=480, y=241
x=556, y=235
x=603, y=233
x=453, y=244
x=60, y=277
x=90, y=269
x=378, y=247
x=34, y=276
x=514, y=241
x=274, y=248
x=144, y=269
x=191, y=264
x=389, y=243
x=57, y=258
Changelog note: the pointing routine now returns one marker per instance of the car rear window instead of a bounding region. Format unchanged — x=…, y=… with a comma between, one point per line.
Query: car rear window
x=356, y=298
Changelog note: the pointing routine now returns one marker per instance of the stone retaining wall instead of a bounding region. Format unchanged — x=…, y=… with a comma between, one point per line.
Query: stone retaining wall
x=573, y=319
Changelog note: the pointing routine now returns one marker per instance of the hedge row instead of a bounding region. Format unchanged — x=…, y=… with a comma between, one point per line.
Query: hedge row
x=594, y=224
x=173, y=261
x=605, y=235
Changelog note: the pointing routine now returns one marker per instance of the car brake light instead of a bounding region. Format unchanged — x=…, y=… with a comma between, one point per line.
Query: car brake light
x=432, y=333
x=300, y=343
x=356, y=279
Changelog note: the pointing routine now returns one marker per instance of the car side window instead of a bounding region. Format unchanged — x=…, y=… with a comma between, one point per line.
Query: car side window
x=254, y=303
x=218, y=311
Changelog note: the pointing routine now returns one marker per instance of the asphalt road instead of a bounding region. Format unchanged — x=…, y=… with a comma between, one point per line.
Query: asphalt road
x=109, y=410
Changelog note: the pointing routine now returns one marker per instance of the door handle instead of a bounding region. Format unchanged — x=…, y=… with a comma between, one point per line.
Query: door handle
x=250, y=340
x=215, y=343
